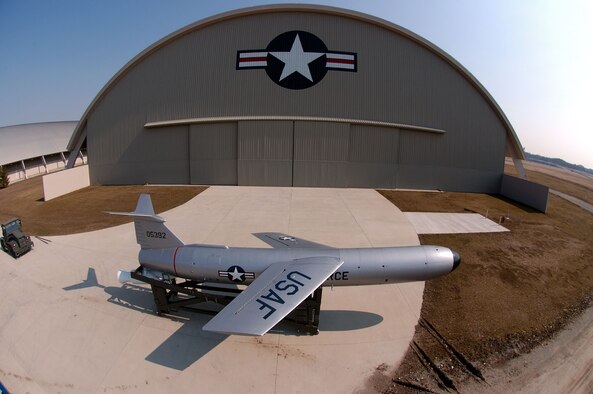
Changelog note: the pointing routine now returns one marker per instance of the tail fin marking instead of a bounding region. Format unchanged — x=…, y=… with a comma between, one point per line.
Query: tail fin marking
x=151, y=232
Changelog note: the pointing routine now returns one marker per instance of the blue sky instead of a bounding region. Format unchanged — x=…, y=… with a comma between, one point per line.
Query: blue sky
x=534, y=57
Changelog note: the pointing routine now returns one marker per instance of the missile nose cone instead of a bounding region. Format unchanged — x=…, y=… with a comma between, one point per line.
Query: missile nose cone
x=456, y=260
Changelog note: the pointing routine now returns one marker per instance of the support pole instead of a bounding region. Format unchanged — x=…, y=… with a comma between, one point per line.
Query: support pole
x=44, y=163
x=520, y=169
x=24, y=168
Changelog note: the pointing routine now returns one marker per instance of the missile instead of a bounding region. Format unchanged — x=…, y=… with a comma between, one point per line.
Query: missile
x=278, y=279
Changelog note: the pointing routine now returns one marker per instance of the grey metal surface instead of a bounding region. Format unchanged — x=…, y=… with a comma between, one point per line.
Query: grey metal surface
x=162, y=251
x=150, y=157
x=255, y=312
x=374, y=156
x=265, y=151
x=213, y=154
x=525, y=192
x=400, y=79
x=252, y=118
x=26, y=141
x=321, y=154
x=362, y=266
x=281, y=240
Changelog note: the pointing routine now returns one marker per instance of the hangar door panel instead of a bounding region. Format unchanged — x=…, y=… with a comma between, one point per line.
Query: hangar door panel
x=265, y=153
x=141, y=162
x=374, y=156
x=213, y=154
x=321, y=154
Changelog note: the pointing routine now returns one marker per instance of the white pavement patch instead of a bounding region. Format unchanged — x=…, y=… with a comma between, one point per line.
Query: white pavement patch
x=67, y=325
x=452, y=223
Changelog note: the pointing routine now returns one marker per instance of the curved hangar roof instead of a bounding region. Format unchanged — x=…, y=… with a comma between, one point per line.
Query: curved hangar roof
x=27, y=141
x=263, y=89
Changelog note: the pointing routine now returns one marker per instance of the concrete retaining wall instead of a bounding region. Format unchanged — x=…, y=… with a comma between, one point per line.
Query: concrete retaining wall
x=525, y=192
x=64, y=182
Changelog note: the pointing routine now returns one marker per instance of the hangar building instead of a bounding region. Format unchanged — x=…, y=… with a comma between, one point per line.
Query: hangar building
x=296, y=95
x=33, y=149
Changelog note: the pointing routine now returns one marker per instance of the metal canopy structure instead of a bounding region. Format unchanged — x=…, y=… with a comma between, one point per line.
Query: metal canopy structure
x=36, y=148
x=26, y=141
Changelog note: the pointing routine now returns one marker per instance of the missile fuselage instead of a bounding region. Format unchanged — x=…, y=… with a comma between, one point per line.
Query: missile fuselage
x=362, y=266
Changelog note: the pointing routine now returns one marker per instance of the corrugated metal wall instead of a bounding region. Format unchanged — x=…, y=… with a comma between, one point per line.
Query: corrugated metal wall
x=265, y=151
x=373, y=157
x=321, y=154
x=397, y=80
x=213, y=154
x=156, y=156
x=325, y=154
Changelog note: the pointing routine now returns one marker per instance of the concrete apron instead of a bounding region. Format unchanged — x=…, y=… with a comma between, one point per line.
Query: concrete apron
x=63, y=331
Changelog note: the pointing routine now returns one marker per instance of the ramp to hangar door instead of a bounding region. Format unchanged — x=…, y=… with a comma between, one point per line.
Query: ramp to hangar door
x=293, y=153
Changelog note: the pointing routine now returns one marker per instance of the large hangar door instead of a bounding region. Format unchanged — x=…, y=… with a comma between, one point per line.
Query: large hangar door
x=142, y=163
x=321, y=154
x=265, y=153
x=373, y=157
x=213, y=154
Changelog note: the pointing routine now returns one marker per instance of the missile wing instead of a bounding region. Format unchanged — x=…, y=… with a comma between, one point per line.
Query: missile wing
x=272, y=296
x=285, y=241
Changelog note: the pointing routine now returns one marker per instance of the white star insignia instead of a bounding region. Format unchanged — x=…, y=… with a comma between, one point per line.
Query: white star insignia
x=296, y=60
x=236, y=275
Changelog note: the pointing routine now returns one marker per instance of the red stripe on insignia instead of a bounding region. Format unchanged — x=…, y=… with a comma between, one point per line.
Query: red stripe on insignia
x=252, y=59
x=343, y=61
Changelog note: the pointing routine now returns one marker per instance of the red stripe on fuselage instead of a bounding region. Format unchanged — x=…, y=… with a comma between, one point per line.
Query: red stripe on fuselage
x=174, y=260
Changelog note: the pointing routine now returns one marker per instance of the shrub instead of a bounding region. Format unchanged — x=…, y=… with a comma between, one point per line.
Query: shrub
x=4, y=181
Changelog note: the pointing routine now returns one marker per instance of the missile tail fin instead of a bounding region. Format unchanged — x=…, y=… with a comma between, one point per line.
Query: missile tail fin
x=151, y=232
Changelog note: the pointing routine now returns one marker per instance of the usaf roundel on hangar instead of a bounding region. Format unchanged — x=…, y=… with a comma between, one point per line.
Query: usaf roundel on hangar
x=296, y=60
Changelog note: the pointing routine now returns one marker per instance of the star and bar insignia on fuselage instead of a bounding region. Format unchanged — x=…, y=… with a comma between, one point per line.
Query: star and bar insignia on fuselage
x=236, y=274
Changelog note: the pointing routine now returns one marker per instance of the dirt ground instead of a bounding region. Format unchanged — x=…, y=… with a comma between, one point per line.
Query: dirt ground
x=512, y=292
x=83, y=210
x=562, y=365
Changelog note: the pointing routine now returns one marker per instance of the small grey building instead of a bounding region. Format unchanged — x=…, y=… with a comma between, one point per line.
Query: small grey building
x=296, y=95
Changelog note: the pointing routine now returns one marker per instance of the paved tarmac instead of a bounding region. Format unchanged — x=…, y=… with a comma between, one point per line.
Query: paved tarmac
x=577, y=201
x=68, y=326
